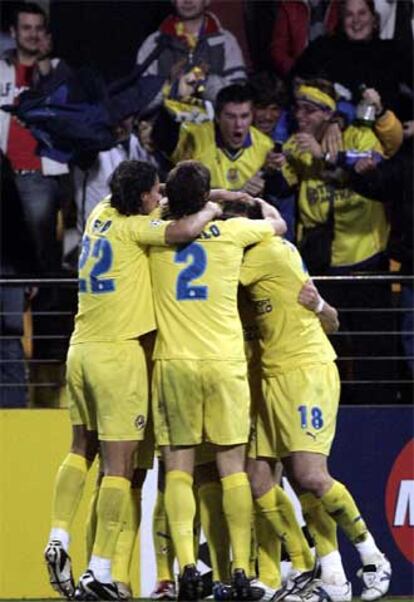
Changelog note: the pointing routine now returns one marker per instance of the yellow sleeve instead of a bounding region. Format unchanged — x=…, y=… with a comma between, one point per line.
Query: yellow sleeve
x=390, y=133
x=250, y=231
x=254, y=266
x=362, y=139
x=292, y=168
x=146, y=230
x=185, y=146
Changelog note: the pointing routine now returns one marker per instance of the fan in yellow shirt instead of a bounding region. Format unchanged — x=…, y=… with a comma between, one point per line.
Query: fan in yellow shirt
x=106, y=369
x=200, y=389
x=231, y=147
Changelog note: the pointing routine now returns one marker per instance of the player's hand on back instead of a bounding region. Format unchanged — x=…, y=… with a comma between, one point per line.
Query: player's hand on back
x=309, y=296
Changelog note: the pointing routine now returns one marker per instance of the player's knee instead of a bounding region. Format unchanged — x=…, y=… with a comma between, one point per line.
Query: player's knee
x=84, y=443
x=312, y=481
x=260, y=480
x=118, y=458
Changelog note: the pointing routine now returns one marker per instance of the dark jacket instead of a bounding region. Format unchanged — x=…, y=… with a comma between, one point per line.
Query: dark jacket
x=392, y=182
x=379, y=64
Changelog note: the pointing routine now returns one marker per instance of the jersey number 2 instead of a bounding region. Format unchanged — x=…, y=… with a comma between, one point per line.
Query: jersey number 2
x=102, y=252
x=198, y=263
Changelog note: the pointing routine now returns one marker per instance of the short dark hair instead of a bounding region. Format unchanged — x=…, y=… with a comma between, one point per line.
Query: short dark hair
x=187, y=188
x=268, y=89
x=128, y=182
x=30, y=8
x=240, y=209
x=237, y=93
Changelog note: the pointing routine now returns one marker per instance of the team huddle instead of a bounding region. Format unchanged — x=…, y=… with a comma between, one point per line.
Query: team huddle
x=243, y=382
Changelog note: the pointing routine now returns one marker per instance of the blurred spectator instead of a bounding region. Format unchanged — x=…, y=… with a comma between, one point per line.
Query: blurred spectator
x=270, y=116
x=396, y=19
x=297, y=23
x=17, y=259
x=356, y=56
x=391, y=182
x=234, y=151
x=36, y=178
x=193, y=38
x=342, y=233
x=92, y=182
x=260, y=17
x=7, y=43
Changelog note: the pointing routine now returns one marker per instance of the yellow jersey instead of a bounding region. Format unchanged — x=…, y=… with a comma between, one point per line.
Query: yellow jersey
x=115, y=298
x=229, y=171
x=290, y=334
x=360, y=224
x=195, y=291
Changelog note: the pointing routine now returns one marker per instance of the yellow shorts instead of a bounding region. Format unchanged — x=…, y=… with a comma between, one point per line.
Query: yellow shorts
x=144, y=455
x=200, y=400
x=205, y=454
x=108, y=389
x=298, y=412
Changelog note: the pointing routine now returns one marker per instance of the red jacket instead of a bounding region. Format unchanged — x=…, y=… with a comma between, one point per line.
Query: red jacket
x=291, y=31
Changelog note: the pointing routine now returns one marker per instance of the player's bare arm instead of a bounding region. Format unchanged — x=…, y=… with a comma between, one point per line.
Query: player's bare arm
x=189, y=227
x=221, y=195
x=310, y=298
x=272, y=215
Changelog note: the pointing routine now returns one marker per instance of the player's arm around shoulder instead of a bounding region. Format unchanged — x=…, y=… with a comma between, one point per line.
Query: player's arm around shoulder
x=310, y=298
x=272, y=215
x=189, y=227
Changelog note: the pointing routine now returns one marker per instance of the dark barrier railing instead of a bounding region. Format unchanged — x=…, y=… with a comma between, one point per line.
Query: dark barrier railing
x=373, y=344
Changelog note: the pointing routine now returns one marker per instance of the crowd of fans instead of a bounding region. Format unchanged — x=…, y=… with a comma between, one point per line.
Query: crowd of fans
x=325, y=135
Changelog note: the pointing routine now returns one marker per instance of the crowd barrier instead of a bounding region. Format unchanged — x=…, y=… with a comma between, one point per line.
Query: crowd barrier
x=381, y=373
x=373, y=454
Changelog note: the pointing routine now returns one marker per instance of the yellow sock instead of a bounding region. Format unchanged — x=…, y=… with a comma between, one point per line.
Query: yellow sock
x=69, y=485
x=196, y=524
x=110, y=511
x=215, y=529
x=180, y=506
x=278, y=509
x=339, y=503
x=163, y=545
x=253, y=559
x=238, y=507
x=321, y=525
x=91, y=521
x=125, y=544
x=268, y=551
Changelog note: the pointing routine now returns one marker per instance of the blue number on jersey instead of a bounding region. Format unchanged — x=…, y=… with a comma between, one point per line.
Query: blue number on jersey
x=102, y=251
x=316, y=417
x=197, y=267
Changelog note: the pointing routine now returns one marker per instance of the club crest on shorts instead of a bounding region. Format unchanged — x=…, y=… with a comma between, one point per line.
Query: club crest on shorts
x=140, y=422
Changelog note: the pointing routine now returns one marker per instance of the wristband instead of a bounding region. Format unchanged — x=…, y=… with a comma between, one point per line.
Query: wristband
x=320, y=306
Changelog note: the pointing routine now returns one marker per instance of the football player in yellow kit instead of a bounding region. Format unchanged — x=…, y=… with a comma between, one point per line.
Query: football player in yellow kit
x=200, y=389
x=106, y=369
x=296, y=421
